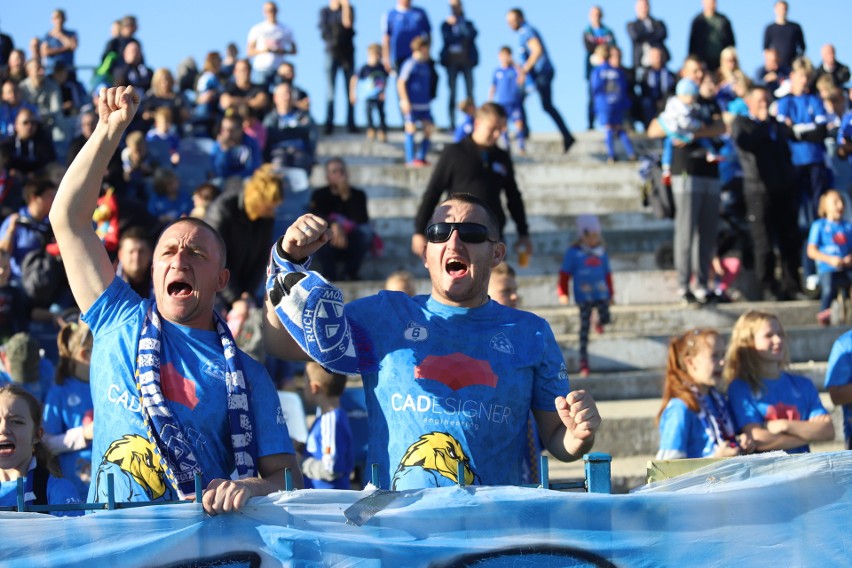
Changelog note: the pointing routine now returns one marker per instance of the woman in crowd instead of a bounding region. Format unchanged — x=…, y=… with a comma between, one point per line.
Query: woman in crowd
x=781, y=411
x=694, y=419
x=22, y=454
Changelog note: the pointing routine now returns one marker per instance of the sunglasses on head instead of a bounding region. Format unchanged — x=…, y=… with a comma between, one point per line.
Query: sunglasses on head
x=472, y=233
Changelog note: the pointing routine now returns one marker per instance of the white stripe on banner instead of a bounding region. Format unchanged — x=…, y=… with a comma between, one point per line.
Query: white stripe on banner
x=238, y=441
x=238, y=402
x=148, y=377
x=149, y=343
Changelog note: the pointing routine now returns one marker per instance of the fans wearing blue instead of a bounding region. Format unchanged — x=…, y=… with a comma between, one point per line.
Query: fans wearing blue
x=780, y=411
x=838, y=381
x=416, y=89
x=536, y=64
x=694, y=419
x=449, y=378
x=830, y=245
x=611, y=93
x=399, y=27
x=173, y=395
x=507, y=91
x=329, y=451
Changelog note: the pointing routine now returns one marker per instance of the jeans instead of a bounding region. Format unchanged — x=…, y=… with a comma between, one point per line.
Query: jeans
x=379, y=107
x=543, y=86
x=832, y=283
x=452, y=76
x=332, y=66
x=696, y=225
x=359, y=242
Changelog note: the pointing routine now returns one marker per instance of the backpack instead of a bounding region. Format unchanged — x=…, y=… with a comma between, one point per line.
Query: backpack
x=42, y=277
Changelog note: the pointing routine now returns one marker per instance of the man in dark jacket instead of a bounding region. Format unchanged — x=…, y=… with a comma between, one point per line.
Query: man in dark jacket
x=478, y=166
x=458, y=54
x=770, y=195
x=337, y=30
x=646, y=33
x=711, y=32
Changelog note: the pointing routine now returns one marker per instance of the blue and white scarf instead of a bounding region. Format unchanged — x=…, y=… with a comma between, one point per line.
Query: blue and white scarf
x=163, y=429
x=715, y=418
x=311, y=310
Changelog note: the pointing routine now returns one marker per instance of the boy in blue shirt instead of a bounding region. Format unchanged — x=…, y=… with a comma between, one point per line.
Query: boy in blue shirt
x=329, y=452
x=611, y=95
x=509, y=93
x=371, y=80
x=415, y=86
x=465, y=127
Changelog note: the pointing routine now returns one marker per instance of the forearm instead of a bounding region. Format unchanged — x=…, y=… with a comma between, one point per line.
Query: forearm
x=71, y=440
x=841, y=395
x=765, y=441
x=565, y=447
x=811, y=430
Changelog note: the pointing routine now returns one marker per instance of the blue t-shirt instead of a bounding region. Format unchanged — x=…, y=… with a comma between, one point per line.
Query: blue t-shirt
x=330, y=441
x=682, y=435
x=66, y=57
x=29, y=235
x=193, y=382
x=507, y=92
x=39, y=389
x=446, y=384
x=168, y=209
x=844, y=133
x=788, y=396
x=418, y=83
x=803, y=109
x=839, y=373
x=67, y=406
x=241, y=160
x=833, y=238
x=403, y=26
x=525, y=33
x=609, y=88
x=464, y=129
x=589, y=269
x=59, y=492
x=372, y=81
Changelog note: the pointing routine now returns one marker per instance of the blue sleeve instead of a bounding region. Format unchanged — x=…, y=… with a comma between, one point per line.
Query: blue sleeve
x=113, y=308
x=336, y=435
x=743, y=406
x=814, y=232
x=783, y=110
x=674, y=427
x=405, y=70
x=818, y=110
x=272, y=434
x=62, y=492
x=52, y=420
x=839, y=371
x=814, y=404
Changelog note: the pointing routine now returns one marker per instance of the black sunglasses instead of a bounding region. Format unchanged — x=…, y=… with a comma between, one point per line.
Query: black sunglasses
x=472, y=233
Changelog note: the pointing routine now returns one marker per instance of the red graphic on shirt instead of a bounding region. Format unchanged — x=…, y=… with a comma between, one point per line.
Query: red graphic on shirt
x=781, y=411
x=177, y=388
x=456, y=371
x=839, y=238
x=593, y=260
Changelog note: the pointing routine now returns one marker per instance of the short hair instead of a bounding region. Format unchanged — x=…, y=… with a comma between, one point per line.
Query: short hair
x=503, y=269
x=374, y=48
x=163, y=112
x=201, y=223
x=420, y=41
x=128, y=21
x=803, y=64
x=335, y=160
x=493, y=223
x=37, y=188
x=602, y=51
x=517, y=12
x=161, y=179
x=491, y=109
x=331, y=384
x=506, y=49
x=466, y=104
x=207, y=191
x=135, y=233
x=825, y=82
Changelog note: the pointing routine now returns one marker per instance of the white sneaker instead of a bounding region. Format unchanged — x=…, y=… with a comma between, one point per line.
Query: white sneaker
x=811, y=282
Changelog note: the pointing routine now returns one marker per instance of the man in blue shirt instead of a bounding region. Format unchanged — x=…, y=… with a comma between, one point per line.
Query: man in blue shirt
x=173, y=395
x=234, y=154
x=449, y=378
x=399, y=27
x=536, y=63
x=59, y=44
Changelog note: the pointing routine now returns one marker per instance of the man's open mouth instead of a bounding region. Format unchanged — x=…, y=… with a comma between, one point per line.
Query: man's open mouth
x=456, y=267
x=179, y=289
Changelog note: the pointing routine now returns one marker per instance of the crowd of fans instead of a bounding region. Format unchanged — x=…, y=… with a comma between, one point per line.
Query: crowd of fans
x=765, y=149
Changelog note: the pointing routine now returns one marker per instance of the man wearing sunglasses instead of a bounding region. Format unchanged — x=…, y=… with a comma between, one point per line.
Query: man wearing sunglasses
x=450, y=378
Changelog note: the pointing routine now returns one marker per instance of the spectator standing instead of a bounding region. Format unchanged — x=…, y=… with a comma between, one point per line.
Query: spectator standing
x=656, y=85
x=508, y=93
x=830, y=66
x=370, y=82
x=771, y=74
x=647, y=33
x=7, y=45
x=337, y=28
x=595, y=34
x=399, y=27
x=710, y=33
x=329, y=451
x=11, y=102
x=164, y=95
x=588, y=263
x=611, y=93
x=476, y=165
x=127, y=28
x=536, y=64
x=769, y=190
x=415, y=86
x=830, y=245
x=268, y=43
x=245, y=218
x=234, y=153
x=59, y=44
x=784, y=36
x=344, y=208
x=779, y=410
x=458, y=54
x=838, y=381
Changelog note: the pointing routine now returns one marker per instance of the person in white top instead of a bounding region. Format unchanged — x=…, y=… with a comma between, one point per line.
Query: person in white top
x=268, y=43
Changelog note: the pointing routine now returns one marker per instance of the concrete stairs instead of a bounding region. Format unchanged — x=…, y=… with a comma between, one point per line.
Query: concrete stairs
x=627, y=361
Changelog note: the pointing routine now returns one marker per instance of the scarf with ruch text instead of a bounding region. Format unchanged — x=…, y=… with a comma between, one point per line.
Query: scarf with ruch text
x=162, y=426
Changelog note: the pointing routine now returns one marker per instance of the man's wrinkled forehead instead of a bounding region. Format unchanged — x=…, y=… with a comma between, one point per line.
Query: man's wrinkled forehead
x=190, y=235
x=458, y=212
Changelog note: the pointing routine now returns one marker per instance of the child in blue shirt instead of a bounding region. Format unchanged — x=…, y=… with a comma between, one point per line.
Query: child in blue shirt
x=506, y=92
x=611, y=94
x=695, y=420
x=167, y=202
x=164, y=135
x=370, y=81
x=68, y=409
x=586, y=260
x=329, y=451
x=416, y=87
x=465, y=127
x=830, y=245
